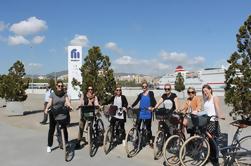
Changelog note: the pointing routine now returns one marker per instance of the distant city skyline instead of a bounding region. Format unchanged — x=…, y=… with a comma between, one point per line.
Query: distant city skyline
x=144, y=36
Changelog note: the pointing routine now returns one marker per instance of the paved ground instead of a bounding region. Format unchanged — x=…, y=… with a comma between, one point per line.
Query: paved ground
x=23, y=141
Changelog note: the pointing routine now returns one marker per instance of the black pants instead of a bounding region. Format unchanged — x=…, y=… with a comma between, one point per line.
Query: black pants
x=148, y=123
x=52, y=127
x=214, y=129
x=121, y=123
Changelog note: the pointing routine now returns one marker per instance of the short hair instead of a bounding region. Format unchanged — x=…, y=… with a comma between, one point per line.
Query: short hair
x=60, y=81
x=144, y=82
x=168, y=84
x=190, y=87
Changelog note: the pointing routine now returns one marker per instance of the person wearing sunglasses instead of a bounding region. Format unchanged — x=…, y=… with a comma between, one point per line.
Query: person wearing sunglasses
x=57, y=100
x=191, y=105
x=147, y=102
x=88, y=98
x=169, y=99
x=120, y=101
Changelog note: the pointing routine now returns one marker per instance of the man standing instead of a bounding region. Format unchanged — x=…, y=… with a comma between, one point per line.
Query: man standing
x=46, y=99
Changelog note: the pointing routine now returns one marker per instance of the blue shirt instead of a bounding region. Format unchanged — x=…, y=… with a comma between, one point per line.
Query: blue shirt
x=144, y=104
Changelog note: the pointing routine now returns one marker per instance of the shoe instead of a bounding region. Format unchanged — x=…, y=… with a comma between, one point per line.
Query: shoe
x=124, y=143
x=78, y=146
x=60, y=146
x=43, y=123
x=48, y=149
x=151, y=145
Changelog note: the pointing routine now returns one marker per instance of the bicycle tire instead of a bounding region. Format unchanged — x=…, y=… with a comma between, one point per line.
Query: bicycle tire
x=108, y=140
x=173, y=158
x=90, y=139
x=100, y=130
x=190, y=151
x=132, y=137
x=64, y=145
x=243, y=147
x=158, y=144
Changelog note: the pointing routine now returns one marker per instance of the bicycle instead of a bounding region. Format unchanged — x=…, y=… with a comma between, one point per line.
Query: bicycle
x=94, y=127
x=173, y=143
x=201, y=148
x=114, y=133
x=136, y=139
x=62, y=118
x=163, y=132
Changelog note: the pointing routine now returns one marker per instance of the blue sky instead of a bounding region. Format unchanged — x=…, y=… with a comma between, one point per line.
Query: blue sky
x=140, y=36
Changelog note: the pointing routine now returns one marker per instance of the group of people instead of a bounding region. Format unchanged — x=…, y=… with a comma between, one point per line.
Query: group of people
x=147, y=105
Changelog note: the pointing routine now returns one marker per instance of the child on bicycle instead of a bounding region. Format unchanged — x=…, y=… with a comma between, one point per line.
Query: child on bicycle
x=147, y=102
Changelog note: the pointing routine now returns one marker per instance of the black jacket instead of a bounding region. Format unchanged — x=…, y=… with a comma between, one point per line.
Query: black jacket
x=123, y=98
x=152, y=99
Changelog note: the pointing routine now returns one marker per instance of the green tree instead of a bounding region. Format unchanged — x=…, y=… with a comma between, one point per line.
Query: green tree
x=238, y=74
x=96, y=72
x=179, y=83
x=14, y=84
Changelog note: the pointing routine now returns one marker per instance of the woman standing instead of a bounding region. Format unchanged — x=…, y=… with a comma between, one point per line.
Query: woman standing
x=212, y=108
x=87, y=99
x=120, y=101
x=57, y=100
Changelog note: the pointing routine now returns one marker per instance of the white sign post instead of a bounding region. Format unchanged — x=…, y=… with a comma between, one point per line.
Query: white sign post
x=74, y=65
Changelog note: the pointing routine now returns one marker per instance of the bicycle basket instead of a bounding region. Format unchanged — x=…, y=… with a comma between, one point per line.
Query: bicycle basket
x=174, y=119
x=162, y=113
x=87, y=112
x=112, y=110
x=133, y=113
x=200, y=121
x=61, y=115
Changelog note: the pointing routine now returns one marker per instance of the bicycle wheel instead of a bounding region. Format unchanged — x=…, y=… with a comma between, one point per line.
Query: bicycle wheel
x=64, y=145
x=194, y=151
x=100, y=130
x=242, y=155
x=158, y=144
x=108, y=140
x=132, y=142
x=171, y=149
x=90, y=138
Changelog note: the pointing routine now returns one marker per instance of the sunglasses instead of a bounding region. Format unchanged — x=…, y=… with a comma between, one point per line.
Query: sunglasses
x=167, y=89
x=118, y=89
x=60, y=86
x=90, y=89
x=191, y=92
x=144, y=86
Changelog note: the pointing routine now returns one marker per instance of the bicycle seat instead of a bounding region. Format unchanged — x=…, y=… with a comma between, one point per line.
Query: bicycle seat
x=239, y=125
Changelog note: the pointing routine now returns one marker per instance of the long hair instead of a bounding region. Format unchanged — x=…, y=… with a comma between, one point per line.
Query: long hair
x=208, y=87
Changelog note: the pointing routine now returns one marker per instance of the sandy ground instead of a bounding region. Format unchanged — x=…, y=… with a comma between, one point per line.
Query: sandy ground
x=23, y=140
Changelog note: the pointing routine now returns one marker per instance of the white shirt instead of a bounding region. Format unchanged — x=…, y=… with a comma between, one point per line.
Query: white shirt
x=47, y=95
x=209, y=108
x=118, y=102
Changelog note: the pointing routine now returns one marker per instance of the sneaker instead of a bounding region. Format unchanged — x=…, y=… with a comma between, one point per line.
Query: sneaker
x=48, y=149
x=124, y=143
x=43, y=123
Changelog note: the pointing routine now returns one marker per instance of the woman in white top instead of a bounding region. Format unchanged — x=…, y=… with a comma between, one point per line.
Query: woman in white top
x=212, y=108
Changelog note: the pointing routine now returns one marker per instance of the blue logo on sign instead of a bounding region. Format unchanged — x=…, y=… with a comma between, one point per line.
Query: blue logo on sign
x=75, y=54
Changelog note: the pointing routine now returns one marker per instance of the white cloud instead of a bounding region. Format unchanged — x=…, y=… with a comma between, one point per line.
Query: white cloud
x=3, y=25
x=125, y=60
x=114, y=47
x=35, y=65
x=38, y=39
x=183, y=59
x=79, y=40
x=30, y=26
x=17, y=40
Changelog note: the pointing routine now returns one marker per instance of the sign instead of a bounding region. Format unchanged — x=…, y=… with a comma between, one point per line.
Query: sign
x=74, y=65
